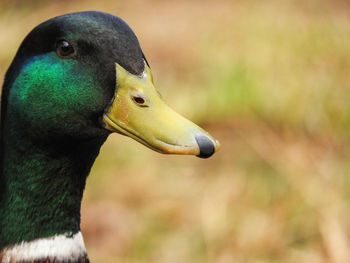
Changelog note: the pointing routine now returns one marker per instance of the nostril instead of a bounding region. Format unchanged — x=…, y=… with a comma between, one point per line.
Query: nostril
x=206, y=146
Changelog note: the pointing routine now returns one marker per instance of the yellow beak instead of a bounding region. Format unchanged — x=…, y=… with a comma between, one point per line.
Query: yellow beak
x=138, y=111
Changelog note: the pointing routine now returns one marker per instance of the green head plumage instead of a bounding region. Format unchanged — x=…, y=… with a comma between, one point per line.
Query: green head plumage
x=52, y=106
x=44, y=89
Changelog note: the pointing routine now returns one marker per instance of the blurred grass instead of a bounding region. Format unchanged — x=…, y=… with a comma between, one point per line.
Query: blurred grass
x=269, y=79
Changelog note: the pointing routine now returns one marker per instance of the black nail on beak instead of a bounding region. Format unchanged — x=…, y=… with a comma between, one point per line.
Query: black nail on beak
x=206, y=146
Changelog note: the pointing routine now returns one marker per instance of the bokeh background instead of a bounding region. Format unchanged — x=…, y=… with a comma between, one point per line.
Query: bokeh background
x=270, y=79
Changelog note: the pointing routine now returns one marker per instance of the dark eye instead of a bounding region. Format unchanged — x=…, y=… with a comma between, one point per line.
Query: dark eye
x=139, y=100
x=64, y=49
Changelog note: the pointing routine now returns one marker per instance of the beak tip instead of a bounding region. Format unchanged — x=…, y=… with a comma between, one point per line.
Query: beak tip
x=206, y=146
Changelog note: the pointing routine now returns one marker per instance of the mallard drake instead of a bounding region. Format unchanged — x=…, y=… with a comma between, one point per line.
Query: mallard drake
x=75, y=79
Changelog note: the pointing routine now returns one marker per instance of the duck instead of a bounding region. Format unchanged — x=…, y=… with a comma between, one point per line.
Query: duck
x=75, y=79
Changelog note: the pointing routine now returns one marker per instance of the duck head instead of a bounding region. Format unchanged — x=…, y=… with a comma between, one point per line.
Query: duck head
x=74, y=80
x=84, y=75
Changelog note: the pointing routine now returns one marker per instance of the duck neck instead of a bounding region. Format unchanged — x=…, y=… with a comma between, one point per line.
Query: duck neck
x=41, y=186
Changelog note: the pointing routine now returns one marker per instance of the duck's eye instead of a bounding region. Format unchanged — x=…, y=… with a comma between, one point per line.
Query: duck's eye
x=64, y=49
x=139, y=101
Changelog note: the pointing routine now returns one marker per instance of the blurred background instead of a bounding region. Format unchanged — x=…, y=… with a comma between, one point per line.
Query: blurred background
x=269, y=79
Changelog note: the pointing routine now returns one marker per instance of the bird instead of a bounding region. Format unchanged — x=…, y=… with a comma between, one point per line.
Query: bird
x=75, y=79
